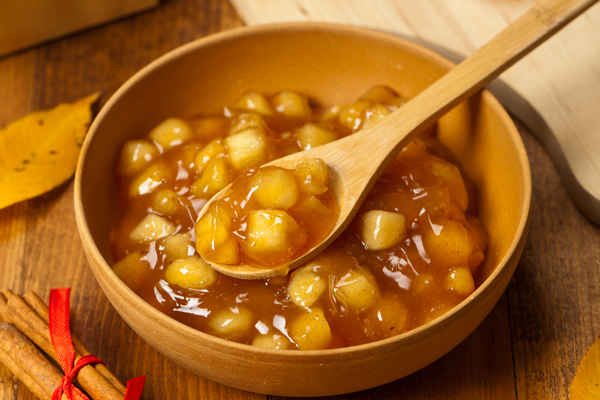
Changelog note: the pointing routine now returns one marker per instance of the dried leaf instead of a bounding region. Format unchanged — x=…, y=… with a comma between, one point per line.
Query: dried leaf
x=586, y=384
x=39, y=151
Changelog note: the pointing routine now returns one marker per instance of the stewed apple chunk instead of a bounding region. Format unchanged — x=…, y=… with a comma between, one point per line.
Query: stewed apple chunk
x=155, y=176
x=272, y=236
x=389, y=317
x=353, y=116
x=456, y=185
x=311, y=209
x=380, y=230
x=216, y=175
x=247, y=148
x=449, y=173
x=292, y=104
x=167, y=202
x=231, y=323
x=254, y=101
x=460, y=281
x=135, y=156
x=357, y=289
x=274, y=188
x=380, y=94
x=171, y=133
x=312, y=135
x=247, y=120
x=213, y=150
x=310, y=330
x=448, y=243
x=177, y=247
x=191, y=272
x=311, y=175
x=272, y=341
x=152, y=227
x=384, y=95
x=375, y=114
x=214, y=239
x=133, y=269
x=306, y=285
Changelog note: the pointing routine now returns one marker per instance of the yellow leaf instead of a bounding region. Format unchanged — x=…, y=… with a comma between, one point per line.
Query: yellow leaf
x=39, y=151
x=586, y=384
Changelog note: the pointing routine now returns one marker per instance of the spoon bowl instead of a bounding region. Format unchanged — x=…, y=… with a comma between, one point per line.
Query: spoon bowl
x=352, y=177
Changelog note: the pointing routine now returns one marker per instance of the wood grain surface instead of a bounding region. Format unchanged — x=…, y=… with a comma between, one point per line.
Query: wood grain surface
x=528, y=347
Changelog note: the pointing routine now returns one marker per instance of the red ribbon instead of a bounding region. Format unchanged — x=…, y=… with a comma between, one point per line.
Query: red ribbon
x=60, y=333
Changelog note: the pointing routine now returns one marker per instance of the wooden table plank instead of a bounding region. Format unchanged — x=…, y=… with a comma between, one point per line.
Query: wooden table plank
x=554, y=296
x=530, y=344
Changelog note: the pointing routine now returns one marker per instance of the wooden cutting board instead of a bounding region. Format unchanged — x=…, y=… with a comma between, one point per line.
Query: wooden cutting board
x=555, y=90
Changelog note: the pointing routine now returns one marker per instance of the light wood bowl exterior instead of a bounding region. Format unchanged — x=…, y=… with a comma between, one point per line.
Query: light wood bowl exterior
x=331, y=64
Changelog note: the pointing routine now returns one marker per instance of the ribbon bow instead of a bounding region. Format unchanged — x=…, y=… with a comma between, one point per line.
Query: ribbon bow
x=60, y=333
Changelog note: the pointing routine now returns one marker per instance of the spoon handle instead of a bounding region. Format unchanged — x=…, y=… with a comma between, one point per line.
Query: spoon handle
x=394, y=132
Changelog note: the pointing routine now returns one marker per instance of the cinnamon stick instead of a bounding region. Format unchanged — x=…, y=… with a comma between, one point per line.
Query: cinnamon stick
x=23, y=377
x=16, y=347
x=38, y=305
x=30, y=323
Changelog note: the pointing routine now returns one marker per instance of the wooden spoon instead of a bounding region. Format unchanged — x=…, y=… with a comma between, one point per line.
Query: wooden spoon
x=356, y=162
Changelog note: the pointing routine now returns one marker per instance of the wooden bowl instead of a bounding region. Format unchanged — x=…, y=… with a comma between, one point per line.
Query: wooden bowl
x=331, y=64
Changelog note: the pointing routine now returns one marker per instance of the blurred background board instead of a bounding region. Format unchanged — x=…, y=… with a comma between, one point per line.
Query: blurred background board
x=24, y=23
x=554, y=90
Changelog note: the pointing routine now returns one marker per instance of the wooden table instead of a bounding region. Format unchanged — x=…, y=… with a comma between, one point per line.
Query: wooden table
x=528, y=348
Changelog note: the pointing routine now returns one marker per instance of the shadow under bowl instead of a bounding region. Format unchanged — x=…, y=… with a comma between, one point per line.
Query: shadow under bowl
x=330, y=64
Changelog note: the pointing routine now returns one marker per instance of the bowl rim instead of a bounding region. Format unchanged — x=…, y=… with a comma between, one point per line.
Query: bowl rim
x=321, y=356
